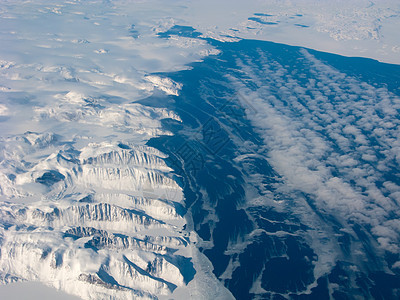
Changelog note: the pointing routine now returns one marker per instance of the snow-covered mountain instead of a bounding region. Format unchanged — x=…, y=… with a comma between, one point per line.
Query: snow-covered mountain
x=96, y=219
x=153, y=151
x=87, y=207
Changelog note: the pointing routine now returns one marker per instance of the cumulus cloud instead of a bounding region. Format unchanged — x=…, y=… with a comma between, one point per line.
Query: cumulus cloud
x=3, y=110
x=332, y=136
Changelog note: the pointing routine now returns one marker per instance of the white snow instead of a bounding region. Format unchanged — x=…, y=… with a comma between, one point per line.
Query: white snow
x=87, y=207
x=32, y=290
x=360, y=28
x=165, y=84
x=72, y=137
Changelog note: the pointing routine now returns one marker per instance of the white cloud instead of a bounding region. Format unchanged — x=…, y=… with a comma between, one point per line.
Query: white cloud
x=3, y=110
x=334, y=138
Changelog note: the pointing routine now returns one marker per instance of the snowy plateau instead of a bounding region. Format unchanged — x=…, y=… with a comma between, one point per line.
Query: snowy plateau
x=199, y=149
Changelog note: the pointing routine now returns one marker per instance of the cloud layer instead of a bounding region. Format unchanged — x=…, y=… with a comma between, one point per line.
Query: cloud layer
x=332, y=136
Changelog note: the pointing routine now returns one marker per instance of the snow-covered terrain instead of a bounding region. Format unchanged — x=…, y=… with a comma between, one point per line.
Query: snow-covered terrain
x=86, y=206
x=351, y=28
x=90, y=208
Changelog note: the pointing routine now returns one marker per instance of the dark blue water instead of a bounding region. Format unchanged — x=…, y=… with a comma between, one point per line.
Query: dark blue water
x=261, y=21
x=216, y=152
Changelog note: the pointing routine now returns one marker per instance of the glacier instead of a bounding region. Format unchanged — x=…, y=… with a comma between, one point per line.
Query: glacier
x=154, y=151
